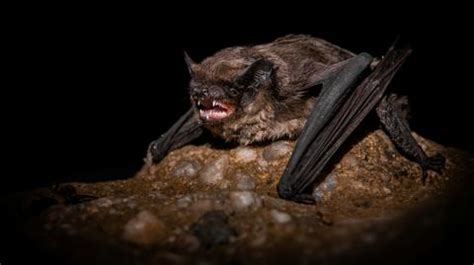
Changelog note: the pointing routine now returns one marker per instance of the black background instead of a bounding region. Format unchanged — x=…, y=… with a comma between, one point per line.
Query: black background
x=86, y=88
x=90, y=87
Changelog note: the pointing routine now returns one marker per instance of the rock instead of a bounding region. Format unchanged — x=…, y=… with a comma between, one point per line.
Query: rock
x=186, y=168
x=323, y=191
x=213, y=229
x=214, y=172
x=244, y=154
x=280, y=217
x=244, y=200
x=184, y=202
x=104, y=202
x=225, y=198
x=144, y=229
x=277, y=150
x=244, y=181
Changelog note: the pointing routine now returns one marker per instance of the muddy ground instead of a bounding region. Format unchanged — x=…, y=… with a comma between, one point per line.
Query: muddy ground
x=206, y=204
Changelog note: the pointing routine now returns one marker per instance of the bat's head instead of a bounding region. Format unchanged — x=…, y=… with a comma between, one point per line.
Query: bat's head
x=224, y=84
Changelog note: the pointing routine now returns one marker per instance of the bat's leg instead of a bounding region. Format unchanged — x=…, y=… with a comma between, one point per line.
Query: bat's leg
x=339, y=110
x=396, y=126
x=185, y=130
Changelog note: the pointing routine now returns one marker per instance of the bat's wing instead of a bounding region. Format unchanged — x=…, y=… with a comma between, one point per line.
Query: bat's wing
x=185, y=130
x=341, y=107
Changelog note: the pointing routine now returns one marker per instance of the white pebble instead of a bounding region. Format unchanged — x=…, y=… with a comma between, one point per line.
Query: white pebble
x=243, y=200
x=186, y=168
x=244, y=181
x=245, y=154
x=104, y=202
x=184, y=202
x=280, y=217
x=214, y=172
x=145, y=228
x=277, y=150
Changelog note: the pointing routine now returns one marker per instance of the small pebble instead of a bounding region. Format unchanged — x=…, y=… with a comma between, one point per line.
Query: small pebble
x=244, y=181
x=213, y=229
x=318, y=195
x=245, y=154
x=323, y=190
x=144, y=229
x=104, y=202
x=351, y=161
x=214, y=172
x=330, y=182
x=277, y=150
x=186, y=168
x=280, y=217
x=243, y=200
x=184, y=202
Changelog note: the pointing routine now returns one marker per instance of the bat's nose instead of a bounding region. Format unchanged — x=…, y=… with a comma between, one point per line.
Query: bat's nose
x=212, y=92
x=200, y=92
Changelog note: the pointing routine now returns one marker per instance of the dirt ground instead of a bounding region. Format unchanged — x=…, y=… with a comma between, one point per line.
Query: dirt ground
x=213, y=205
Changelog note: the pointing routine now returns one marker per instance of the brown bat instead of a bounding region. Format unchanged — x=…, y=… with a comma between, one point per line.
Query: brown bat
x=294, y=87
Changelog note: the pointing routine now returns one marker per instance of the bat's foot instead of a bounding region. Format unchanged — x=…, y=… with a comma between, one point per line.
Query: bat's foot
x=435, y=163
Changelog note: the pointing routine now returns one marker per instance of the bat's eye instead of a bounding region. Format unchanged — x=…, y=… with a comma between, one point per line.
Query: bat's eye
x=233, y=92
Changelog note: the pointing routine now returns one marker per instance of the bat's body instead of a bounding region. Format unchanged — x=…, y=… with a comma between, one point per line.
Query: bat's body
x=281, y=110
x=296, y=86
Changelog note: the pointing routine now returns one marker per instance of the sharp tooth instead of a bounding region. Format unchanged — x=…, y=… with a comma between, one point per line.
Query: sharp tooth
x=214, y=103
x=199, y=103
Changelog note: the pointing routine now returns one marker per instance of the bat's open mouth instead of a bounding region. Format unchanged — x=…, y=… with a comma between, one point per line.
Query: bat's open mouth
x=212, y=110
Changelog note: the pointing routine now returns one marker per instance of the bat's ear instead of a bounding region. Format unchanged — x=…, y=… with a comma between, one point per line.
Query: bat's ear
x=189, y=63
x=257, y=73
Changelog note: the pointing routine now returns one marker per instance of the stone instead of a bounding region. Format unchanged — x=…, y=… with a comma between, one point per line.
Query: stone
x=229, y=211
x=214, y=172
x=277, y=150
x=213, y=229
x=243, y=181
x=186, y=168
x=280, y=217
x=245, y=154
x=244, y=200
x=324, y=190
x=143, y=229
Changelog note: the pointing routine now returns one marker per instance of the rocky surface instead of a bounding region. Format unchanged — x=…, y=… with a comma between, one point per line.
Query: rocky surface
x=209, y=205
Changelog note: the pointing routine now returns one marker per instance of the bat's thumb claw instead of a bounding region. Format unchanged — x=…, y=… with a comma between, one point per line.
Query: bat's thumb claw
x=287, y=193
x=152, y=153
x=284, y=191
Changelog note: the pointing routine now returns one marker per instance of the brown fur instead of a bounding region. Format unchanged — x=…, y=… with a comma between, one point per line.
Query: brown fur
x=277, y=111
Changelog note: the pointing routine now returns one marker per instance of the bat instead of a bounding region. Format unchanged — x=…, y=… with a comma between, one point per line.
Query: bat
x=296, y=87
